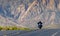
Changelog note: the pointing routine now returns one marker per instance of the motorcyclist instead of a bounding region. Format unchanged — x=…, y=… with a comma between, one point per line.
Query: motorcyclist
x=40, y=24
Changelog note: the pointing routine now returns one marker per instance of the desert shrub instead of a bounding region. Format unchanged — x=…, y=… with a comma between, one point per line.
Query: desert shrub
x=0, y=28
x=14, y=28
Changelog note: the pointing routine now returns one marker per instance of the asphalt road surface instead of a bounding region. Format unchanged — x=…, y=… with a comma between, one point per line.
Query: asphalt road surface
x=43, y=32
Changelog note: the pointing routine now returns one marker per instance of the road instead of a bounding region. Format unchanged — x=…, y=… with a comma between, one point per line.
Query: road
x=43, y=32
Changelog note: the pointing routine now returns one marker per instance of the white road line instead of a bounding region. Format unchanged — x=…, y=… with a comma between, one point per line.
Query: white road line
x=55, y=34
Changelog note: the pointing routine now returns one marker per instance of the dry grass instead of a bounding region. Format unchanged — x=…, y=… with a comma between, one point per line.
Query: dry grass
x=52, y=26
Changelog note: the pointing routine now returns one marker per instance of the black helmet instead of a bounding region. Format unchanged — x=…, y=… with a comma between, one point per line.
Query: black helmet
x=39, y=22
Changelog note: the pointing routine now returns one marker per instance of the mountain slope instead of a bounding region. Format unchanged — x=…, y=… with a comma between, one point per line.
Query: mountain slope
x=27, y=13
